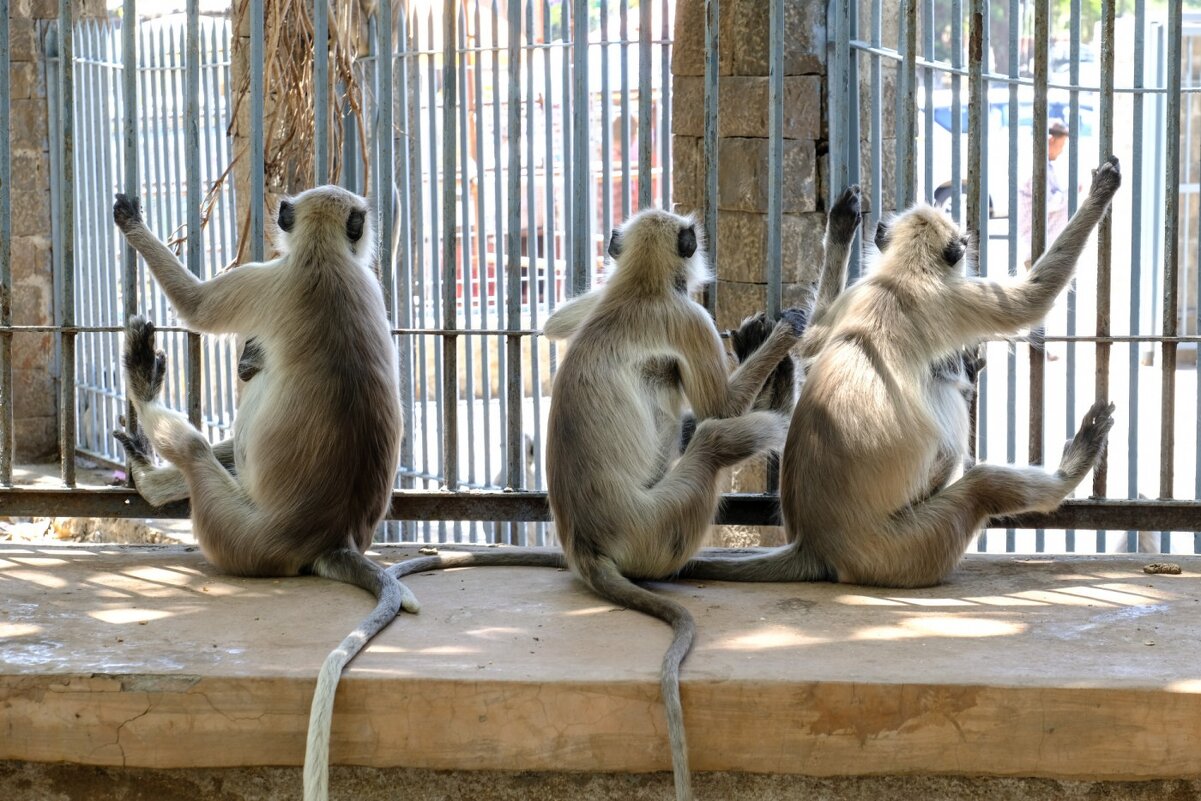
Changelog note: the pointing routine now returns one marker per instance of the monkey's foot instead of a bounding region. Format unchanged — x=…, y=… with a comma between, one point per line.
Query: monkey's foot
x=846, y=214
x=730, y=440
x=145, y=367
x=1106, y=179
x=136, y=443
x=127, y=212
x=1085, y=448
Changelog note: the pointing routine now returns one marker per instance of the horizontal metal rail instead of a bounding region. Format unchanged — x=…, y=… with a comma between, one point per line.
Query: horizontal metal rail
x=743, y=509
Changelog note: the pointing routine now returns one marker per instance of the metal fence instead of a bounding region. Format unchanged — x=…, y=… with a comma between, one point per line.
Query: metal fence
x=513, y=150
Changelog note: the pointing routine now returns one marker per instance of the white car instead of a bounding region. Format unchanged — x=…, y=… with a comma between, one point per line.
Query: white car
x=1000, y=122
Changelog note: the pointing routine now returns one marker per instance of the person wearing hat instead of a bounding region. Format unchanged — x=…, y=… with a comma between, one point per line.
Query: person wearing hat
x=1057, y=196
x=1057, y=199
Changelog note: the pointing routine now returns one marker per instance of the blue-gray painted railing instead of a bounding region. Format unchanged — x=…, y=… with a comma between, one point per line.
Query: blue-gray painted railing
x=497, y=175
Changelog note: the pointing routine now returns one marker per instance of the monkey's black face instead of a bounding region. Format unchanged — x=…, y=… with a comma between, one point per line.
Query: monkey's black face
x=954, y=251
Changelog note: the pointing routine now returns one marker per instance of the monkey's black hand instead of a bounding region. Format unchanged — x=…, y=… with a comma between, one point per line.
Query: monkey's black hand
x=846, y=214
x=127, y=212
x=1106, y=178
x=797, y=318
x=145, y=367
x=753, y=332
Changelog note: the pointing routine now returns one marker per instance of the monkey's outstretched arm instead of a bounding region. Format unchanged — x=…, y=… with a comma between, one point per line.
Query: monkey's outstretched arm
x=230, y=302
x=711, y=391
x=983, y=307
x=841, y=225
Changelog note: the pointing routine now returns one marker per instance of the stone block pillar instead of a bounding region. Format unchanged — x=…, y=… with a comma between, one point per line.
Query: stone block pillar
x=740, y=262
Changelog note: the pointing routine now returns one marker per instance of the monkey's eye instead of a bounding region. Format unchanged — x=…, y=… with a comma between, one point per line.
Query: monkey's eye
x=614, y=244
x=354, y=225
x=287, y=216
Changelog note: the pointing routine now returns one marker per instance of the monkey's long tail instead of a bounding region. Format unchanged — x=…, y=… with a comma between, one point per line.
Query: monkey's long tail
x=349, y=566
x=602, y=575
x=787, y=563
x=508, y=557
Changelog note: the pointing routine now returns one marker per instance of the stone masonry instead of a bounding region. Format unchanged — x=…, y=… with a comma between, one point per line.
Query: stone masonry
x=33, y=303
x=740, y=262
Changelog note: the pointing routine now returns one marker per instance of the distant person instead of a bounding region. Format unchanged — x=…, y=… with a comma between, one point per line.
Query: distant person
x=1057, y=195
x=1057, y=207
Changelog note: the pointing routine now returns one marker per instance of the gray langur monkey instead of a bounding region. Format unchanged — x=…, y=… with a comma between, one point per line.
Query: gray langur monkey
x=309, y=473
x=865, y=488
x=627, y=505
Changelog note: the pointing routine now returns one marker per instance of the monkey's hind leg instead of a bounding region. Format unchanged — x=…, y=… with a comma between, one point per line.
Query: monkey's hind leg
x=922, y=543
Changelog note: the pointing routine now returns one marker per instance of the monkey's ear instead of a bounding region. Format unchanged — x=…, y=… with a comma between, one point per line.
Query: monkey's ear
x=354, y=225
x=287, y=216
x=883, y=235
x=614, y=244
x=686, y=242
x=953, y=253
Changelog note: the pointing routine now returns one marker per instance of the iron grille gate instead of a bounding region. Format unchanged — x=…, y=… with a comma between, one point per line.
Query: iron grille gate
x=528, y=267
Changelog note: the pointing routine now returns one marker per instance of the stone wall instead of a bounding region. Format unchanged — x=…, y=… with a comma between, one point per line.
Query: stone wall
x=740, y=262
x=35, y=386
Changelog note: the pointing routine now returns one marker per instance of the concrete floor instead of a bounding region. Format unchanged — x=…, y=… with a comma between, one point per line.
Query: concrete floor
x=1076, y=670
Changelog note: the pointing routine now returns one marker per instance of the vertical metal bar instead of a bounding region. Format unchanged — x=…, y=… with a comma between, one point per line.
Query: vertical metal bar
x=644, y=104
x=481, y=229
x=321, y=90
x=450, y=366
x=466, y=286
x=1104, y=237
x=513, y=393
x=6, y=276
x=928, y=102
x=581, y=195
x=624, y=36
x=195, y=237
x=1038, y=231
x=775, y=151
x=665, y=102
x=258, y=199
x=606, y=129
x=132, y=186
x=907, y=123
x=1171, y=298
x=66, y=212
x=1073, y=177
x=838, y=53
x=409, y=224
x=1136, y=259
x=957, y=209
x=877, y=124
x=1038, y=217
x=977, y=198
x=854, y=134
x=711, y=146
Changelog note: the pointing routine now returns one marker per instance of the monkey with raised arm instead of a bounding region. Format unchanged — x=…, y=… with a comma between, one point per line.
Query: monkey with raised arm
x=309, y=473
x=627, y=505
x=877, y=430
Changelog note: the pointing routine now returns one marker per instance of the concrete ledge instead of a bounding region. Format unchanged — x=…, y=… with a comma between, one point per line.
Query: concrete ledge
x=1056, y=667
